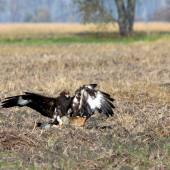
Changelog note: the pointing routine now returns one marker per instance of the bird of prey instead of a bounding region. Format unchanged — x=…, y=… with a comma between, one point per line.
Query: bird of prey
x=84, y=103
x=51, y=107
x=87, y=101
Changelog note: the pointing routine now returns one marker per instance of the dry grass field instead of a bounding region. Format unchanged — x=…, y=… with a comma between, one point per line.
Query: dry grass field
x=55, y=32
x=43, y=33
x=61, y=28
x=136, y=75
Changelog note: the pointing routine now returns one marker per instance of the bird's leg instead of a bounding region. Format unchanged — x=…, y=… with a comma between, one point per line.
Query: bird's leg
x=54, y=121
x=81, y=112
x=70, y=112
x=57, y=118
x=87, y=116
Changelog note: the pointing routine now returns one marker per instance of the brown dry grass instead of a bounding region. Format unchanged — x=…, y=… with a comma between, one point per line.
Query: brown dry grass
x=12, y=140
x=61, y=28
x=136, y=75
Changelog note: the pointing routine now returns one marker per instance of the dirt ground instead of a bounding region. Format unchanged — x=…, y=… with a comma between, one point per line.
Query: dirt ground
x=136, y=75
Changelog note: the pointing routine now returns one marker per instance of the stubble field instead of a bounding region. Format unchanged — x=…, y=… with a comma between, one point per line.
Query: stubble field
x=136, y=75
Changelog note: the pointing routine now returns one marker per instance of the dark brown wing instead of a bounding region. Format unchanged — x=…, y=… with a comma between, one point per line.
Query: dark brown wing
x=87, y=101
x=43, y=104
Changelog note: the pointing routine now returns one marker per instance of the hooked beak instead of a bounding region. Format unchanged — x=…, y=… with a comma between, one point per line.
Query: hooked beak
x=67, y=96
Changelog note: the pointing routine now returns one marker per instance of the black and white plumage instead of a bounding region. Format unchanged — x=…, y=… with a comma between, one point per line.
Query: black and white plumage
x=87, y=101
x=51, y=107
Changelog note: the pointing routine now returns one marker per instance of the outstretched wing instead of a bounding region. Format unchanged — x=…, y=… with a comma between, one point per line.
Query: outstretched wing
x=87, y=101
x=43, y=104
x=90, y=86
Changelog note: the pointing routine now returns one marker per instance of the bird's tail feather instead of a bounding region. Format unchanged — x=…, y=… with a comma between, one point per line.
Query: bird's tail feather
x=46, y=125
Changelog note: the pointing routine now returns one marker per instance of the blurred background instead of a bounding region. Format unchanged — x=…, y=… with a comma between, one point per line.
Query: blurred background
x=121, y=14
x=66, y=10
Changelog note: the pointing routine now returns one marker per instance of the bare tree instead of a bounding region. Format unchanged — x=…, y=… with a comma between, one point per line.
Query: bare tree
x=28, y=17
x=15, y=8
x=2, y=5
x=168, y=2
x=41, y=14
x=97, y=11
x=161, y=14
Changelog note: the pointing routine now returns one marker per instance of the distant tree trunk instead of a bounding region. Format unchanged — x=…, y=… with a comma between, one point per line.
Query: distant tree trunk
x=96, y=11
x=126, y=16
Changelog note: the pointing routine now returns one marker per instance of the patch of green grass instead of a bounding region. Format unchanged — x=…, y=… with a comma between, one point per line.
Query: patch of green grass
x=16, y=164
x=31, y=166
x=3, y=163
x=80, y=38
x=8, y=152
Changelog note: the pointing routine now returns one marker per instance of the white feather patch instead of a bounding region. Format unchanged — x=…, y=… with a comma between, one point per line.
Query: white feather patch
x=59, y=120
x=75, y=100
x=23, y=102
x=89, y=86
x=83, y=93
x=96, y=102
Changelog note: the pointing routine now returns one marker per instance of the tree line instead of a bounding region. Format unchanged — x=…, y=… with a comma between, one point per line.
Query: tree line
x=95, y=11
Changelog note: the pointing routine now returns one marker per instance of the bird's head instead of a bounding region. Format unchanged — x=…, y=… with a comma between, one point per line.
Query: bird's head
x=65, y=93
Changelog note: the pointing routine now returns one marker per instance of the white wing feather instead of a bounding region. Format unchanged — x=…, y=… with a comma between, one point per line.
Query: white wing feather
x=96, y=102
x=89, y=101
x=23, y=102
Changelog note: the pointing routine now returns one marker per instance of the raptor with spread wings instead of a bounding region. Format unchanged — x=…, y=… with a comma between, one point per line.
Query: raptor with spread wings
x=84, y=103
x=87, y=101
x=51, y=107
